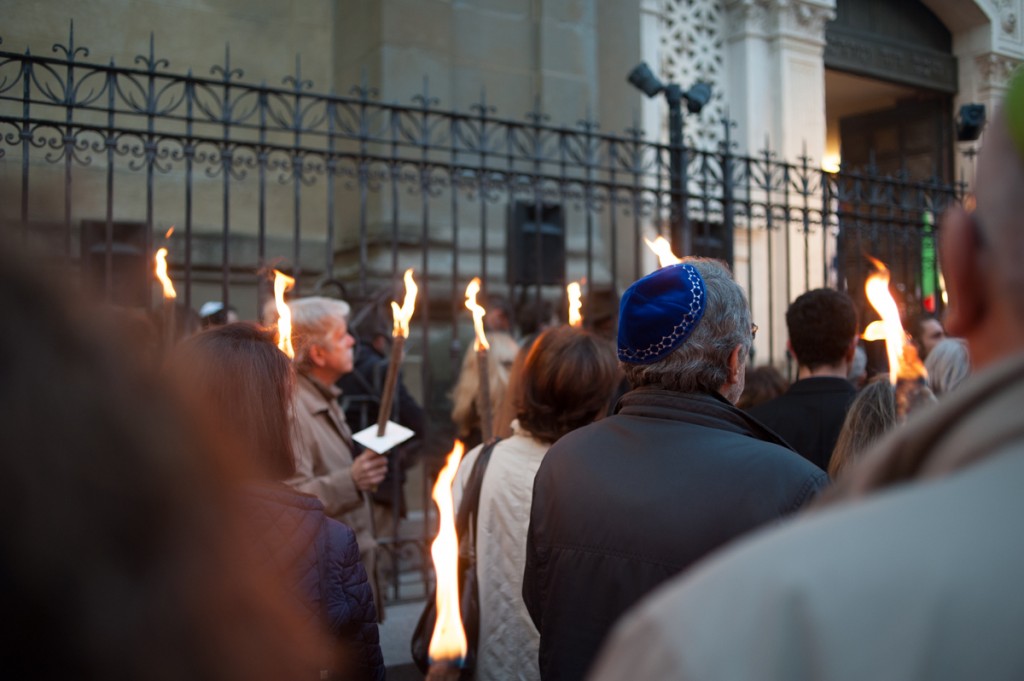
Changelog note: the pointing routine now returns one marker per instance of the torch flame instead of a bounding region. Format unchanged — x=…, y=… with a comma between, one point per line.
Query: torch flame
x=448, y=641
x=575, y=304
x=478, y=314
x=663, y=249
x=903, y=359
x=403, y=314
x=169, y=232
x=282, y=283
x=875, y=331
x=161, y=274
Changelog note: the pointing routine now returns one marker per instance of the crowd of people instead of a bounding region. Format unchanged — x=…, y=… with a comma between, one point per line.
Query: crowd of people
x=652, y=507
x=906, y=566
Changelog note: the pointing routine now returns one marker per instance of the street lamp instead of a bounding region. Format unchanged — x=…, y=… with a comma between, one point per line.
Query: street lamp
x=696, y=97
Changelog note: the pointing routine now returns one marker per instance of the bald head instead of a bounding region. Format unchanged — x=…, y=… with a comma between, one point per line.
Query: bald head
x=981, y=252
x=999, y=180
x=1000, y=210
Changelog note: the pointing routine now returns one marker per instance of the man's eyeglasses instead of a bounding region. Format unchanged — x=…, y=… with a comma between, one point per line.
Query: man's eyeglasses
x=753, y=331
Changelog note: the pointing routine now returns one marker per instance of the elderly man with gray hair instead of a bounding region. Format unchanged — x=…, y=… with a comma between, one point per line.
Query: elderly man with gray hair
x=326, y=463
x=624, y=504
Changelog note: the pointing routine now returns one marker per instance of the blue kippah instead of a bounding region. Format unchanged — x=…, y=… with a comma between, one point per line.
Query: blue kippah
x=658, y=313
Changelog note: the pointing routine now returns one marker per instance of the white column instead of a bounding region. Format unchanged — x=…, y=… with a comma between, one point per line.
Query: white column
x=988, y=42
x=776, y=94
x=776, y=84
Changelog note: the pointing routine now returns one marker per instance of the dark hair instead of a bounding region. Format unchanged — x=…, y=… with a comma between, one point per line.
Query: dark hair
x=916, y=326
x=566, y=382
x=533, y=315
x=760, y=385
x=373, y=325
x=496, y=302
x=822, y=324
x=242, y=385
x=915, y=322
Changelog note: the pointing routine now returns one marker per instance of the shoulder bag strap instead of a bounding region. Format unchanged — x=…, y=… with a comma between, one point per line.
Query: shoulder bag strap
x=471, y=495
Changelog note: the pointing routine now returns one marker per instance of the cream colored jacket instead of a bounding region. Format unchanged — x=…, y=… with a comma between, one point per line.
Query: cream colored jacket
x=508, y=639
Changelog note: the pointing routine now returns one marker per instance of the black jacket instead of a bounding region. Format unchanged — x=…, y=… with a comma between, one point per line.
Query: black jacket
x=809, y=416
x=624, y=504
x=318, y=560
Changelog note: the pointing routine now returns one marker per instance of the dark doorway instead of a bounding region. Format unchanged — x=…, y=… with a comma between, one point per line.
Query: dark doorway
x=889, y=85
x=897, y=41
x=914, y=136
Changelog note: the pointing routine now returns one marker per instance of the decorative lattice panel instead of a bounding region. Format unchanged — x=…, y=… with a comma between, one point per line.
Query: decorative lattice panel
x=692, y=49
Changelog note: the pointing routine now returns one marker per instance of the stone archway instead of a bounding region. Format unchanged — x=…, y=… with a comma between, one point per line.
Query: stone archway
x=988, y=43
x=890, y=80
x=904, y=43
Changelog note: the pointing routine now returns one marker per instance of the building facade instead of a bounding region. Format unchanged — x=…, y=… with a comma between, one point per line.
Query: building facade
x=819, y=83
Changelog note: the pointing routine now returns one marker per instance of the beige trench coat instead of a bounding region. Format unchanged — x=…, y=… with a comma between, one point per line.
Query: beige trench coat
x=323, y=461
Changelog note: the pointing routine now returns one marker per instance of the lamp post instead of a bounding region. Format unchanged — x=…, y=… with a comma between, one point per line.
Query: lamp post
x=679, y=220
x=696, y=97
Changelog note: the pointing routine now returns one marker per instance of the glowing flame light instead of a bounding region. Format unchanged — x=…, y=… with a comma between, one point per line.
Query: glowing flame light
x=875, y=331
x=282, y=283
x=575, y=304
x=663, y=249
x=403, y=314
x=169, y=232
x=448, y=641
x=903, y=359
x=161, y=274
x=478, y=315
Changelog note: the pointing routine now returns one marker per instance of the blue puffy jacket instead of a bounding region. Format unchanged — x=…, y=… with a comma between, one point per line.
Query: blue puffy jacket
x=319, y=559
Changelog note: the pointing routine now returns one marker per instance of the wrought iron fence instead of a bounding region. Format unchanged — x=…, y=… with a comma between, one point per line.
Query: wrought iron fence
x=346, y=190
